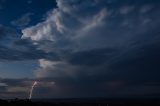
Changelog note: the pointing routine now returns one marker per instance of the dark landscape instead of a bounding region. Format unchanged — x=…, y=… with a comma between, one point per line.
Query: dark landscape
x=80, y=102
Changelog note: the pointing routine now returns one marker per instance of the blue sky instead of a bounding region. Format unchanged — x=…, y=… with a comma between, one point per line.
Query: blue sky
x=14, y=69
x=12, y=10
x=79, y=48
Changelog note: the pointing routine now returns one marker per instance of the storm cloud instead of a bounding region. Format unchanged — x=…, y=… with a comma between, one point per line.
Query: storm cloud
x=87, y=48
x=101, y=45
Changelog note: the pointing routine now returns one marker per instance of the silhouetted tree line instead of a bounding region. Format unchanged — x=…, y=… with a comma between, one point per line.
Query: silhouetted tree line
x=27, y=102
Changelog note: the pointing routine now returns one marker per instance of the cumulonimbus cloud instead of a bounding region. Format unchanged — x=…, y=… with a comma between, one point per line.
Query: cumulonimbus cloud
x=90, y=37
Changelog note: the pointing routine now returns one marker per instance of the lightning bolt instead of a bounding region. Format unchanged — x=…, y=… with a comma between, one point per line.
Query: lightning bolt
x=32, y=88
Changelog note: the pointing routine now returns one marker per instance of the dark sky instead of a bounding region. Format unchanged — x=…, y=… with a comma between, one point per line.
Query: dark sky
x=80, y=48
